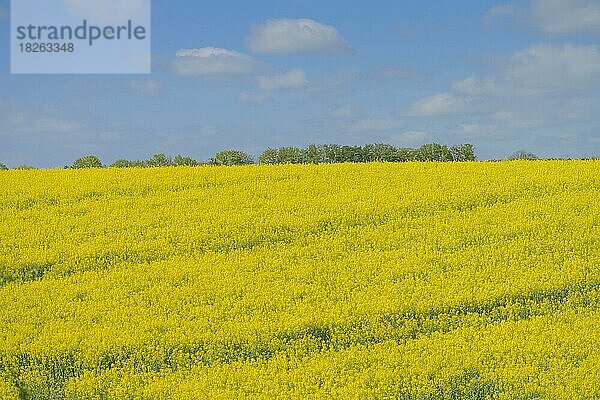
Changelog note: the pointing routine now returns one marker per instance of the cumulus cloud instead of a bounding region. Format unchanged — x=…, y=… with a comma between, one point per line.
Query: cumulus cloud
x=212, y=62
x=474, y=87
x=566, y=16
x=410, y=138
x=553, y=17
x=556, y=67
x=293, y=36
x=145, y=88
x=109, y=11
x=253, y=98
x=530, y=77
x=539, y=69
x=344, y=112
x=18, y=119
x=54, y=125
x=439, y=104
x=294, y=79
x=374, y=125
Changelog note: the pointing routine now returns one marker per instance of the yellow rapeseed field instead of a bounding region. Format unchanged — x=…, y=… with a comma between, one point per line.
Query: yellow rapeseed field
x=350, y=281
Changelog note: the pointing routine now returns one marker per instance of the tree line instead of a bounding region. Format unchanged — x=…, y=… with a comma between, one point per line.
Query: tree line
x=312, y=154
x=333, y=153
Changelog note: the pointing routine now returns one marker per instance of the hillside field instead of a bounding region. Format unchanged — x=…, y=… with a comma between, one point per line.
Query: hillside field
x=348, y=281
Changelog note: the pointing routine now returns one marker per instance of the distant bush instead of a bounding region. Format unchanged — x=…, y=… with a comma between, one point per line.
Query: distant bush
x=24, y=167
x=3, y=167
x=87, y=162
x=312, y=154
x=122, y=163
x=232, y=157
x=157, y=160
x=523, y=155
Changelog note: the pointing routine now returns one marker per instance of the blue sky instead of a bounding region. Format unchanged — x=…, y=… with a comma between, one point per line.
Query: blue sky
x=502, y=75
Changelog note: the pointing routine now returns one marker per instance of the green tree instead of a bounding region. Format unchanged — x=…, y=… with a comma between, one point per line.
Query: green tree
x=380, y=152
x=269, y=156
x=434, y=152
x=232, y=157
x=523, y=155
x=351, y=154
x=463, y=152
x=182, y=161
x=289, y=155
x=404, y=154
x=122, y=163
x=87, y=162
x=159, y=160
x=3, y=167
x=313, y=154
x=332, y=153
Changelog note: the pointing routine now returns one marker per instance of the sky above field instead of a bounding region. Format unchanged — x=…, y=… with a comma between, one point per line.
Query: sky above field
x=502, y=75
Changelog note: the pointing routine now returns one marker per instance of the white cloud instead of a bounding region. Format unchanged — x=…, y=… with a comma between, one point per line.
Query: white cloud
x=474, y=87
x=529, y=99
x=253, y=98
x=469, y=128
x=109, y=11
x=294, y=79
x=502, y=115
x=553, y=17
x=145, y=88
x=19, y=120
x=439, y=104
x=51, y=125
x=539, y=69
x=344, y=112
x=566, y=16
x=410, y=138
x=374, y=125
x=292, y=36
x=334, y=82
x=555, y=67
x=213, y=62
x=208, y=131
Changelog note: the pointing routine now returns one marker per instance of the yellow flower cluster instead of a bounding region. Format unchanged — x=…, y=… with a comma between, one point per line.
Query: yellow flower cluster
x=350, y=281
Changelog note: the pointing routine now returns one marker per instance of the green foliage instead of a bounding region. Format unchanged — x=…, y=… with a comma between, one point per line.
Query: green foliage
x=3, y=167
x=182, y=161
x=289, y=155
x=24, y=167
x=523, y=155
x=313, y=155
x=159, y=160
x=269, y=156
x=232, y=157
x=464, y=152
x=122, y=163
x=333, y=153
x=434, y=152
x=87, y=162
